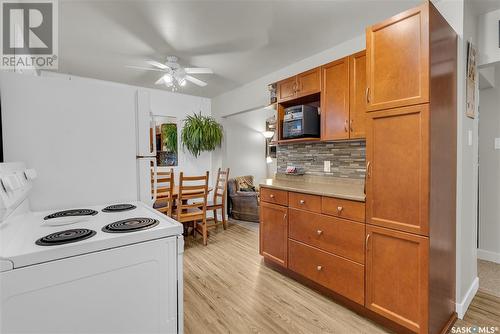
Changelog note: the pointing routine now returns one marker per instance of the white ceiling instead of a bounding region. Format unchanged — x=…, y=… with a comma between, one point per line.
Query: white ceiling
x=240, y=40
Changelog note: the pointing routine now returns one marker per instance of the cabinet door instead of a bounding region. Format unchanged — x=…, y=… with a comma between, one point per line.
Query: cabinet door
x=274, y=232
x=397, y=179
x=309, y=82
x=398, y=60
x=397, y=276
x=335, y=100
x=357, y=95
x=287, y=89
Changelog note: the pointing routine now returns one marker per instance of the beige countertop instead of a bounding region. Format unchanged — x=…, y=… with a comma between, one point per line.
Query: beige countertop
x=350, y=189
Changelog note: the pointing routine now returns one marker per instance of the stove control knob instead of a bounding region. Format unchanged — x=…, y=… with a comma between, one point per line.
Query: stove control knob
x=30, y=174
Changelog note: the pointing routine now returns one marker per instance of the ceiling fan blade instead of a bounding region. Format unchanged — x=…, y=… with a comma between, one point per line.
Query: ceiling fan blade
x=196, y=81
x=160, y=81
x=144, y=68
x=157, y=64
x=198, y=70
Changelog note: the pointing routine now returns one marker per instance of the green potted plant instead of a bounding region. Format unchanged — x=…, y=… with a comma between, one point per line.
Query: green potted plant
x=169, y=135
x=201, y=133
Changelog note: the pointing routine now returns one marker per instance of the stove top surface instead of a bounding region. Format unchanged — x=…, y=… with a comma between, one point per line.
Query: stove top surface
x=24, y=238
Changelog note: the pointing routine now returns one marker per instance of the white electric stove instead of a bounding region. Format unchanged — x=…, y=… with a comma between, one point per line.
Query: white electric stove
x=112, y=268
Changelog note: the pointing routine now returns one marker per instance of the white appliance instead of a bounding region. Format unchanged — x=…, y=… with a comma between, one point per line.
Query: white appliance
x=95, y=270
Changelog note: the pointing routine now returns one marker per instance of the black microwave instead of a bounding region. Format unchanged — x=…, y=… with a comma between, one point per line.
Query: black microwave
x=301, y=121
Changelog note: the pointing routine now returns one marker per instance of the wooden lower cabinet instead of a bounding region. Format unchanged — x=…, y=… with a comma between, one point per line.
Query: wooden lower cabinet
x=274, y=232
x=397, y=277
x=333, y=272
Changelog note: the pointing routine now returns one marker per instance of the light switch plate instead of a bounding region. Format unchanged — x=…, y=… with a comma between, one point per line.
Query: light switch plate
x=497, y=143
x=470, y=138
x=326, y=166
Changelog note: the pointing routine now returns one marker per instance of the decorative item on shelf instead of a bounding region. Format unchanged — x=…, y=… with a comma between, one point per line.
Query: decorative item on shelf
x=201, y=133
x=272, y=93
x=292, y=170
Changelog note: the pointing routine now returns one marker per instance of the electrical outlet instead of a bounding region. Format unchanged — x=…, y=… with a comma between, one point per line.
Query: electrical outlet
x=326, y=166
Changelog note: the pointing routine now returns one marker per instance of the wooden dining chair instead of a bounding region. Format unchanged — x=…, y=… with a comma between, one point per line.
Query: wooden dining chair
x=192, y=203
x=219, y=199
x=165, y=199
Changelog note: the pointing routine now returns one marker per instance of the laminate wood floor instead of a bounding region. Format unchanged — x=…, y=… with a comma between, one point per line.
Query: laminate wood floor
x=228, y=289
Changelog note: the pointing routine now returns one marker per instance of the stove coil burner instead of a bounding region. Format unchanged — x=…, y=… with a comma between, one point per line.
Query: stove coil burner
x=130, y=225
x=65, y=237
x=71, y=213
x=119, y=208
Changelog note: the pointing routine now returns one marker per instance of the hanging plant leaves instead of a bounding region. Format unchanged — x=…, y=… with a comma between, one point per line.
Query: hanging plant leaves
x=201, y=133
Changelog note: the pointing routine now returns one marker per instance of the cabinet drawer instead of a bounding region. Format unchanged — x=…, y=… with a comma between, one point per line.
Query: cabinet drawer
x=339, y=236
x=335, y=273
x=343, y=208
x=304, y=202
x=274, y=196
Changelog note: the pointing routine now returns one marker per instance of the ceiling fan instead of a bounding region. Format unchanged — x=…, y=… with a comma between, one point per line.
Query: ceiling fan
x=174, y=75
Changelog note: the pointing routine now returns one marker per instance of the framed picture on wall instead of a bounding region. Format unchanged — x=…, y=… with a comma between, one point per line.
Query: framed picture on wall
x=472, y=81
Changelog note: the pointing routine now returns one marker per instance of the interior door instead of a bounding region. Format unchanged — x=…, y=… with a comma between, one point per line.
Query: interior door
x=397, y=179
x=335, y=100
x=397, y=276
x=309, y=82
x=274, y=232
x=398, y=60
x=357, y=91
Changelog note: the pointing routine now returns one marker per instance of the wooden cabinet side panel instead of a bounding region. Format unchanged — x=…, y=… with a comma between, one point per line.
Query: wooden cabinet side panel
x=357, y=95
x=397, y=187
x=443, y=162
x=335, y=100
x=397, y=277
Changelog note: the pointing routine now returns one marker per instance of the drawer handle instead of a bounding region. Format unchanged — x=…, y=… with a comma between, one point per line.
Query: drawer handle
x=302, y=201
x=272, y=195
x=339, y=209
x=319, y=268
x=319, y=232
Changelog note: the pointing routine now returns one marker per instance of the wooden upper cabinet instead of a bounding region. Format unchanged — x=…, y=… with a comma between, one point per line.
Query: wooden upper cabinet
x=397, y=180
x=398, y=60
x=309, y=82
x=357, y=95
x=274, y=232
x=397, y=277
x=335, y=100
x=300, y=85
x=287, y=89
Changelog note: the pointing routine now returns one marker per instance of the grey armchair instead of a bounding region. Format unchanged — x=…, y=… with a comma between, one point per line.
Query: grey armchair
x=243, y=202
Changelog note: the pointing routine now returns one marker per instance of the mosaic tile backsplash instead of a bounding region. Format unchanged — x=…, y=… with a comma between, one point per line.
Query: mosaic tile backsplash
x=347, y=159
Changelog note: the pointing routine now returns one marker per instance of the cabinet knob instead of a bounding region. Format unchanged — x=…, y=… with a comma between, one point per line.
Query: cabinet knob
x=302, y=201
x=319, y=268
x=339, y=209
x=319, y=232
x=272, y=195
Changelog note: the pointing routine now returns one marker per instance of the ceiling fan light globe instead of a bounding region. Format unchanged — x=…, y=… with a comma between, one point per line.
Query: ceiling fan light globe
x=168, y=78
x=182, y=82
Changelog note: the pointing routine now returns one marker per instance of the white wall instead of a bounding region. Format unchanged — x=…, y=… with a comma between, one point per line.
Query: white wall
x=80, y=135
x=253, y=96
x=489, y=174
x=489, y=50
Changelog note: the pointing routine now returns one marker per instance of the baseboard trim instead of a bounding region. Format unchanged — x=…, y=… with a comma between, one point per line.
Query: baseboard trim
x=462, y=307
x=488, y=255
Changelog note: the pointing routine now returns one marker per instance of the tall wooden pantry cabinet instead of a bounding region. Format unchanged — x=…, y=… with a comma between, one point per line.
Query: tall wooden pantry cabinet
x=411, y=169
